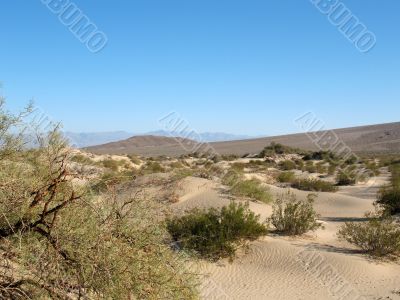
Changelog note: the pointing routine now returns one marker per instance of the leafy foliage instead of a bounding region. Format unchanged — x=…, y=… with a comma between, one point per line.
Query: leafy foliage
x=60, y=241
x=287, y=165
x=253, y=189
x=286, y=177
x=276, y=148
x=314, y=185
x=379, y=236
x=389, y=196
x=215, y=234
x=294, y=217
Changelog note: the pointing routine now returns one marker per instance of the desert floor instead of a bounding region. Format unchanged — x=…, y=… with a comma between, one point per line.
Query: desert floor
x=315, y=266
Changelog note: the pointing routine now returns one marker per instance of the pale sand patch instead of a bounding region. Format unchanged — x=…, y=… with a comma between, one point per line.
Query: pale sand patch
x=277, y=267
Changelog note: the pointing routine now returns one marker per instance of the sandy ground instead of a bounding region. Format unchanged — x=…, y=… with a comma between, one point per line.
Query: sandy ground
x=315, y=266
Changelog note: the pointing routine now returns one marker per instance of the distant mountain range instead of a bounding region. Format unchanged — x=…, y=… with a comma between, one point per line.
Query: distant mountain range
x=381, y=138
x=81, y=140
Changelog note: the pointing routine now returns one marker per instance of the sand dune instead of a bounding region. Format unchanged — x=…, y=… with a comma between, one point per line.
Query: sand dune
x=315, y=266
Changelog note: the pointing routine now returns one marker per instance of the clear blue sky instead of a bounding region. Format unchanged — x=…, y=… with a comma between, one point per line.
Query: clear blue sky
x=245, y=67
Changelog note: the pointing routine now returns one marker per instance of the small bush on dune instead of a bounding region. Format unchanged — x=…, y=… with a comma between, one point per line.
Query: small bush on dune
x=389, y=196
x=332, y=169
x=83, y=159
x=134, y=159
x=238, y=167
x=215, y=234
x=229, y=157
x=112, y=164
x=310, y=167
x=231, y=178
x=300, y=164
x=294, y=217
x=346, y=178
x=321, y=168
x=389, y=199
x=286, y=177
x=321, y=155
x=287, y=165
x=252, y=189
x=276, y=148
x=152, y=167
x=373, y=167
x=379, y=236
x=314, y=185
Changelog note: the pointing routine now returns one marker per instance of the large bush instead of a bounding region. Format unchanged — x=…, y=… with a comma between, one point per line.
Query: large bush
x=294, y=217
x=59, y=241
x=213, y=233
x=379, y=236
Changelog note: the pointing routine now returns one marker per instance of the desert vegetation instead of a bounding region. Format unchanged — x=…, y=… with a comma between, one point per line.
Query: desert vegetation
x=294, y=217
x=314, y=185
x=215, y=234
x=389, y=195
x=60, y=241
x=379, y=236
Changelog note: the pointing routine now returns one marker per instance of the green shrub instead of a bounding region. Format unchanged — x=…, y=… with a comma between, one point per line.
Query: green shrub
x=300, y=164
x=214, y=234
x=182, y=173
x=287, y=165
x=389, y=196
x=134, y=159
x=286, y=177
x=321, y=155
x=229, y=157
x=373, y=167
x=176, y=165
x=231, y=178
x=82, y=159
x=310, y=167
x=60, y=241
x=238, y=167
x=389, y=199
x=314, y=185
x=346, y=178
x=252, y=189
x=294, y=217
x=152, y=167
x=321, y=168
x=395, y=170
x=112, y=164
x=276, y=148
x=351, y=160
x=378, y=236
x=332, y=169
